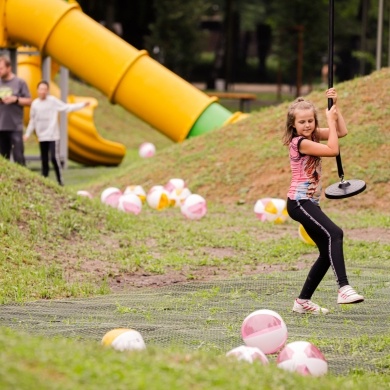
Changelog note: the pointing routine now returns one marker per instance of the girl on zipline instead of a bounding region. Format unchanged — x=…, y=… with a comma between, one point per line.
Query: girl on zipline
x=302, y=136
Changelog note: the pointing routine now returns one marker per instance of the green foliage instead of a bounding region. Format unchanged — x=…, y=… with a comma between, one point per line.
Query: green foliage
x=175, y=37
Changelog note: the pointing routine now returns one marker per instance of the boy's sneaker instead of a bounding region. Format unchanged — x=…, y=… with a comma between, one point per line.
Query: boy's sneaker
x=348, y=295
x=307, y=306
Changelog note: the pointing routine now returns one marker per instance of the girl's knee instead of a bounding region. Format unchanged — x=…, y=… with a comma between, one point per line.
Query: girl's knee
x=337, y=233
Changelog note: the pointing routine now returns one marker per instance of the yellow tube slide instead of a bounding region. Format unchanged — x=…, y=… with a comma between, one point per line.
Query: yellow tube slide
x=85, y=145
x=127, y=76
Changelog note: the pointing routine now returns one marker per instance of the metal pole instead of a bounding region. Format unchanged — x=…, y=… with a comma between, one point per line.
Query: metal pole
x=330, y=76
x=64, y=85
x=388, y=54
x=379, y=36
x=13, y=57
x=46, y=69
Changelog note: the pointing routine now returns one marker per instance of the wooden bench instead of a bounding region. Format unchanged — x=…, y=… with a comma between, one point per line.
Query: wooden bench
x=244, y=98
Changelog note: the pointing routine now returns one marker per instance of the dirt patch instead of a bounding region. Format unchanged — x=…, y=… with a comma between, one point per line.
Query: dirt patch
x=380, y=235
x=119, y=281
x=201, y=274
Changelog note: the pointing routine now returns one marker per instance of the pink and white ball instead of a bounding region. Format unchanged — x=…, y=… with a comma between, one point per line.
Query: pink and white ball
x=264, y=329
x=158, y=198
x=175, y=184
x=110, y=196
x=194, y=207
x=302, y=357
x=137, y=190
x=178, y=196
x=147, y=150
x=248, y=354
x=259, y=209
x=130, y=203
x=85, y=193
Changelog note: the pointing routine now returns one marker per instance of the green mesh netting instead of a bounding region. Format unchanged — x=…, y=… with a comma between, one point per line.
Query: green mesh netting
x=209, y=316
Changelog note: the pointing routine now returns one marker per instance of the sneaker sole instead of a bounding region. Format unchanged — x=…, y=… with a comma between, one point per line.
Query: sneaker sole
x=314, y=313
x=350, y=302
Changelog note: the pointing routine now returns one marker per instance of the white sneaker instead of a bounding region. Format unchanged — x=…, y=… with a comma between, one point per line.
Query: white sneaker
x=308, y=306
x=348, y=295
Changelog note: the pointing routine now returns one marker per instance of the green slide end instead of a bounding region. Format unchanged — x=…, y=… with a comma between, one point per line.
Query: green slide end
x=212, y=118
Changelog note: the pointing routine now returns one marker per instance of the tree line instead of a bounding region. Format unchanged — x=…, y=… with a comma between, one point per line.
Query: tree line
x=290, y=36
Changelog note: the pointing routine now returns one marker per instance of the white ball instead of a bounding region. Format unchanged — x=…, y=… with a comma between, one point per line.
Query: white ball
x=137, y=190
x=248, y=354
x=158, y=198
x=147, y=150
x=175, y=184
x=194, y=207
x=259, y=208
x=123, y=339
x=130, y=203
x=275, y=210
x=178, y=196
x=302, y=357
x=264, y=329
x=110, y=196
x=85, y=193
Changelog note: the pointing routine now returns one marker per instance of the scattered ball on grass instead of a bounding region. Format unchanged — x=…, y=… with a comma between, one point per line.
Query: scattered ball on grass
x=158, y=198
x=130, y=203
x=248, y=354
x=137, y=190
x=110, y=196
x=304, y=236
x=302, y=357
x=194, y=207
x=264, y=329
x=85, y=193
x=147, y=150
x=122, y=339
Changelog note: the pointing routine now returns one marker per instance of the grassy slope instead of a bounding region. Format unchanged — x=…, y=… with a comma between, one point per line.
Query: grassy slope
x=47, y=232
x=247, y=161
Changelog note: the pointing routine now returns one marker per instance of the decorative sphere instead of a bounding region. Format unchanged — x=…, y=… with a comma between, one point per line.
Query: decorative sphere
x=137, y=190
x=194, y=207
x=264, y=329
x=147, y=150
x=304, y=236
x=158, y=198
x=175, y=184
x=275, y=210
x=259, y=208
x=248, y=354
x=123, y=339
x=110, y=196
x=302, y=357
x=178, y=196
x=130, y=203
x=85, y=193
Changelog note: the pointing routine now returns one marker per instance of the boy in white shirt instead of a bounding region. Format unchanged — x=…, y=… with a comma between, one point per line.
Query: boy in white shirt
x=44, y=120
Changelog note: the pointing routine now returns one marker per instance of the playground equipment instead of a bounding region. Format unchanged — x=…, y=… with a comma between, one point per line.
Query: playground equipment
x=344, y=189
x=127, y=76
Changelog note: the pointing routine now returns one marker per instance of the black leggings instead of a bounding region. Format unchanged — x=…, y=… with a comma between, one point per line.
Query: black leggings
x=50, y=147
x=12, y=141
x=329, y=240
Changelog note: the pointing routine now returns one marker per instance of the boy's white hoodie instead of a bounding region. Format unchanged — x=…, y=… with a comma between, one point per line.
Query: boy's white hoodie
x=44, y=117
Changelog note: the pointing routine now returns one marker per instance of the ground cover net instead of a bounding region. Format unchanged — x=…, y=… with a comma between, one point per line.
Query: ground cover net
x=208, y=315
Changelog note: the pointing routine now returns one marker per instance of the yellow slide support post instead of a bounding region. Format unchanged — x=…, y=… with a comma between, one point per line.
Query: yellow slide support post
x=127, y=76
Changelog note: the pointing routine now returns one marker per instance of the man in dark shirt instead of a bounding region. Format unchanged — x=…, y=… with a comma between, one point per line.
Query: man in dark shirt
x=14, y=94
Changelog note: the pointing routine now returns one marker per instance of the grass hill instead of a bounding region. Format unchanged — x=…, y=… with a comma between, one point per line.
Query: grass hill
x=57, y=245
x=247, y=161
